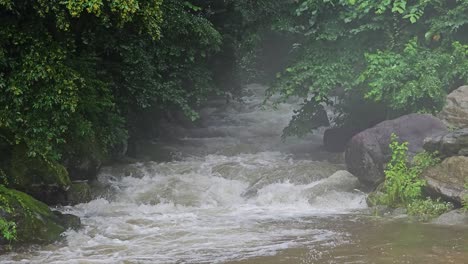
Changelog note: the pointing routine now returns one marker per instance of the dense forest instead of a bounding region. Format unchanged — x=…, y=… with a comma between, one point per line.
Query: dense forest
x=82, y=80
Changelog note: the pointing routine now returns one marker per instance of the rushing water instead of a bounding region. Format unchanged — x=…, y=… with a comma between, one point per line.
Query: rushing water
x=234, y=192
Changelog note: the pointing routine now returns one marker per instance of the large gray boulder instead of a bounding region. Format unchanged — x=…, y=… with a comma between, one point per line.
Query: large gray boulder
x=455, y=217
x=368, y=151
x=448, y=178
x=455, y=111
x=449, y=144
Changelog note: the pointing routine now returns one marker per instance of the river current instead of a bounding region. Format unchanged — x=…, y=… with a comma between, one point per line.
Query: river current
x=233, y=192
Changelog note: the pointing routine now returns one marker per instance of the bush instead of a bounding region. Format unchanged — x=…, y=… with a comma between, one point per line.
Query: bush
x=402, y=182
x=428, y=208
x=403, y=185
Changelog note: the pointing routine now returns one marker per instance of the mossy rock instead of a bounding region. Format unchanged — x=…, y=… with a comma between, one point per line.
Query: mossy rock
x=28, y=171
x=35, y=222
x=83, y=159
x=79, y=192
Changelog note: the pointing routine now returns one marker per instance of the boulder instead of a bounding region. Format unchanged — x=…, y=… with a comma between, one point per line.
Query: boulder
x=340, y=181
x=368, y=151
x=26, y=171
x=449, y=144
x=45, y=180
x=448, y=178
x=455, y=111
x=456, y=217
x=300, y=173
x=79, y=192
x=35, y=222
x=335, y=139
x=83, y=168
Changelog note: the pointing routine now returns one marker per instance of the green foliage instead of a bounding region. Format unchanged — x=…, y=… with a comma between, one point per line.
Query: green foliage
x=7, y=227
x=169, y=72
x=33, y=220
x=403, y=185
x=428, y=208
x=251, y=26
x=403, y=55
x=413, y=80
x=312, y=115
x=72, y=72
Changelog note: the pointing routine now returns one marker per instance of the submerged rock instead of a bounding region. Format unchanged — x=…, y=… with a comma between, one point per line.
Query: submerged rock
x=79, y=192
x=455, y=217
x=368, y=151
x=305, y=174
x=448, y=178
x=340, y=181
x=35, y=222
x=449, y=144
x=455, y=111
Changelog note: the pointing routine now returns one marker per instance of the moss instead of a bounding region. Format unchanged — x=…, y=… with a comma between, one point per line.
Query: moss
x=79, y=192
x=83, y=158
x=26, y=171
x=35, y=222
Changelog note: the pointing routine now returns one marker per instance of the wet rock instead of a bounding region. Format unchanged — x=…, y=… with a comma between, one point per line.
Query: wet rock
x=35, y=222
x=340, y=181
x=45, y=180
x=335, y=139
x=455, y=112
x=79, y=192
x=27, y=171
x=301, y=174
x=449, y=144
x=455, y=217
x=399, y=212
x=68, y=221
x=83, y=168
x=50, y=194
x=448, y=179
x=368, y=151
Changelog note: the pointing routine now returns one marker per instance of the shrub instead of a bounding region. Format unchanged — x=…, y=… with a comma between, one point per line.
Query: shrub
x=428, y=208
x=403, y=185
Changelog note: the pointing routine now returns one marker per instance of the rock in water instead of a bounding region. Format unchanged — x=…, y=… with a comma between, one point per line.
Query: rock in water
x=299, y=174
x=455, y=217
x=455, y=112
x=340, y=181
x=450, y=144
x=35, y=222
x=368, y=152
x=448, y=178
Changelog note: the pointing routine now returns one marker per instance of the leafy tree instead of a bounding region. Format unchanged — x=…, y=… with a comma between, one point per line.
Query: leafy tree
x=403, y=55
x=73, y=72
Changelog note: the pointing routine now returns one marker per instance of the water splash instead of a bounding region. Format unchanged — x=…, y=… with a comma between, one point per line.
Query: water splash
x=237, y=192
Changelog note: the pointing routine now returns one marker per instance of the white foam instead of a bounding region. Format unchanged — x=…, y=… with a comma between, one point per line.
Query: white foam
x=195, y=210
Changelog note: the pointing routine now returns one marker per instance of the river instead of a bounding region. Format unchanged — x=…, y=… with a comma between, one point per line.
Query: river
x=234, y=192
